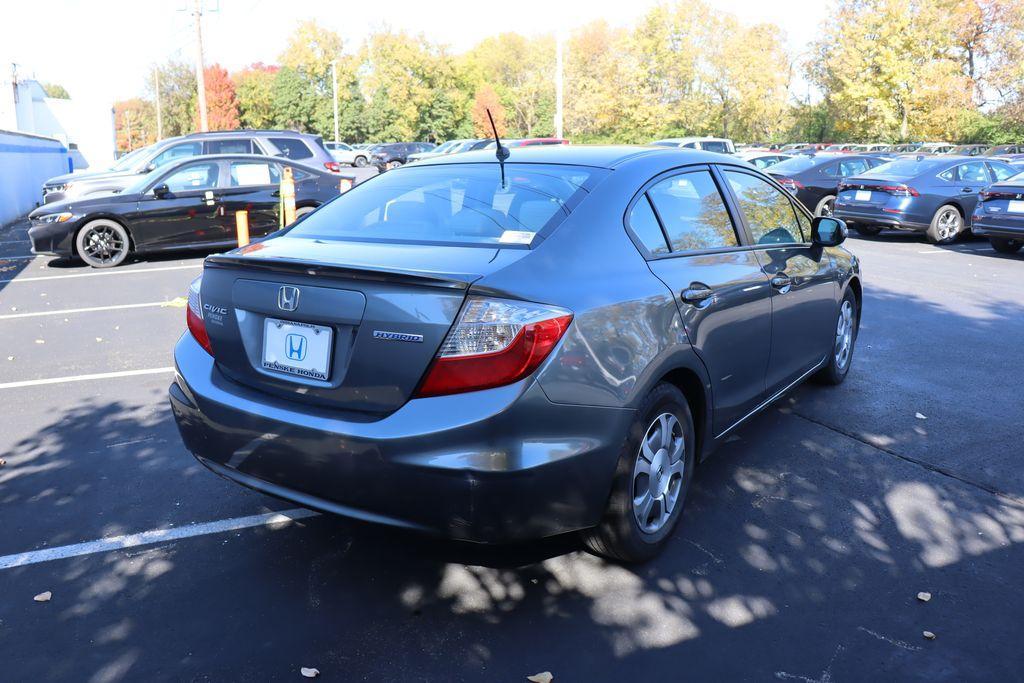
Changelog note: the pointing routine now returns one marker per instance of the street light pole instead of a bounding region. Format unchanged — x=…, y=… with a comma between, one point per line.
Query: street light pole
x=334, y=81
x=204, y=124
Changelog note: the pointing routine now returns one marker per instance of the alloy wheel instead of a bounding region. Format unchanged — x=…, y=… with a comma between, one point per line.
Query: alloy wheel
x=102, y=245
x=948, y=224
x=658, y=473
x=844, y=335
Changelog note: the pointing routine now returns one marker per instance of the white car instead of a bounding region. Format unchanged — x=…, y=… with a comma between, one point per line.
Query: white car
x=450, y=147
x=344, y=153
x=720, y=145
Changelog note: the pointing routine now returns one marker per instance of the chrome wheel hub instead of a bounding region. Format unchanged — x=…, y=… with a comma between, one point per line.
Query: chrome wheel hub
x=103, y=244
x=844, y=335
x=948, y=224
x=658, y=473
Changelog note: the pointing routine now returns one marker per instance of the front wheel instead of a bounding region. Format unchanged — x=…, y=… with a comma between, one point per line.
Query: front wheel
x=826, y=207
x=393, y=164
x=1005, y=246
x=841, y=355
x=652, y=478
x=946, y=225
x=360, y=162
x=102, y=243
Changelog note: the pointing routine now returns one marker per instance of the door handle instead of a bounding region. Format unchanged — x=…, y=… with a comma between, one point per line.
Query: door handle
x=698, y=294
x=783, y=283
x=967, y=190
x=275, y=193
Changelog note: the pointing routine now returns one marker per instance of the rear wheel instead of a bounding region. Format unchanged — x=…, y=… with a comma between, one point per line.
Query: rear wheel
x=360, y=161
x=841, y=356
x=102, y=243
x=393, y=164
x=1005, y=246
x=867, y=230
x=946, y=225
x=652, y=479
x=826, y=206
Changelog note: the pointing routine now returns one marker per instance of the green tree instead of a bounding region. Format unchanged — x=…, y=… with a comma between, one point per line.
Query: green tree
x=254, y=88
x=56, y=90
x=521, y=71
x=295, y=104
x=178, y=96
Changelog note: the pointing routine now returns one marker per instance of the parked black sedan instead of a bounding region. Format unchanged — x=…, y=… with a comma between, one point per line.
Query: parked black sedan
x=391, y=155
x=931, y=194
x=813, y=178
x=187, y=204
x=999, y=215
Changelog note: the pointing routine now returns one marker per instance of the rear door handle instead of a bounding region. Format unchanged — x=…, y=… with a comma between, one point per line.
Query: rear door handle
x=967, y=190
x=698, y=294
x=782, y=283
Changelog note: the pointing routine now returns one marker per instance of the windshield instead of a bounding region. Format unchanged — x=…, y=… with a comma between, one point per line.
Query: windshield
x=445, y=146
x=794, y=165
x=453, y=204
x=904, y=168
x=140, y=183
x=127, y=160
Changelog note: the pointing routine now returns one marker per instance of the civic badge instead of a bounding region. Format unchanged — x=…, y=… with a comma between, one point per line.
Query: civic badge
x=288, y=298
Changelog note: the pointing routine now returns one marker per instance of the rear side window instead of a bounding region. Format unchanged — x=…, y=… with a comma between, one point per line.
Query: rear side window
x=646, y=227
x=248, y=173
x=849, y=167
x=292, y=148
x=770, y=215
x=1003, y=172
x=715, y=146
x=236, y=146
x=453, y=204
x=693, y=212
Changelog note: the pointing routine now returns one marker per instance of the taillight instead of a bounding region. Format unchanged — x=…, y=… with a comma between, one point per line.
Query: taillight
x=494, y=342
x=194, y=315
x=900, y=190
x=790, y=184
x=332, y=166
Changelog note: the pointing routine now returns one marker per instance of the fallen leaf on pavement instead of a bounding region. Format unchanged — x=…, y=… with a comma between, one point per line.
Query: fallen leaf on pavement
x=309, y=673
x=929, y=635
x=919, y=416
x=924, y=597
x=43, y=597
x=178, y=302
x=543, y=677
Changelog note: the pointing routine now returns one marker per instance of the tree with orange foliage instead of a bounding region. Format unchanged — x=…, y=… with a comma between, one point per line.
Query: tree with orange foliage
x=221, y=101
x=486, y=98
x=134, y=124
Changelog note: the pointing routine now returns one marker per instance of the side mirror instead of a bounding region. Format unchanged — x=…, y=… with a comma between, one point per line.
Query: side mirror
x=161, y=191
x=827, y=231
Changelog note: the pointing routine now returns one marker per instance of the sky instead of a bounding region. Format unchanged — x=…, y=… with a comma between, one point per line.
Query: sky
x=101, y=50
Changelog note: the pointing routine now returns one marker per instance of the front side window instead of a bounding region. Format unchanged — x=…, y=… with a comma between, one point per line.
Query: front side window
x=693, y=212
x=770, y=215
x=292, y=148
x=192, y=177
x=972, y=173
x=176, y=152
x=850, y=167
x=247, y=173
x=453, y=204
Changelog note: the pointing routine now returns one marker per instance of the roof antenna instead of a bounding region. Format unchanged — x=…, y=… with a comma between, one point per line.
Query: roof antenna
x=499, y=151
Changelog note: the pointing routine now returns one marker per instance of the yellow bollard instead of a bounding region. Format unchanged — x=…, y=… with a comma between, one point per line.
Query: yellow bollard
x=242, y=227
x=288, y=196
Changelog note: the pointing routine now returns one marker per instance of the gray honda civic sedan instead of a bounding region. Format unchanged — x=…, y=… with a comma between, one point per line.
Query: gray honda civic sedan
x=500, y=351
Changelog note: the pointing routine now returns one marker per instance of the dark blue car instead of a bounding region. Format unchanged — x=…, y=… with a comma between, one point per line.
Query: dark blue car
x=999, y=215
x=930, y=194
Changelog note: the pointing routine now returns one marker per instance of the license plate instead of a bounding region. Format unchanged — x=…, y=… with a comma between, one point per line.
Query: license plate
x=863, y=196
x=297, y=349
x=1015, y=206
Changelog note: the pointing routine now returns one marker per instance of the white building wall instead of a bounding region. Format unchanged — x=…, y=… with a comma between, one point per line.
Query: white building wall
x=26, y=162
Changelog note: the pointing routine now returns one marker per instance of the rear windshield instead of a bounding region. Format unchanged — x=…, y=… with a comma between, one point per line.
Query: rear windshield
x=905, y=168
x=454, y=204
x=794, y=165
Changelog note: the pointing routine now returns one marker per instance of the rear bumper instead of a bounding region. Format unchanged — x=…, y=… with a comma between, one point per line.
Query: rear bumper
x=894, y=221
x=981, y=229
x=487, y=466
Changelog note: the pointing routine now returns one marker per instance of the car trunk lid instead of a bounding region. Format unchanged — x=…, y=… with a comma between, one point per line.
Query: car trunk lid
x=366, y=319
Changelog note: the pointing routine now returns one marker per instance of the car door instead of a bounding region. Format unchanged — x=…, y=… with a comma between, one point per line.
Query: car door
x=252, y=186
x=972, y=177
x=720, y=288
x=802, y=276
x=188, y=214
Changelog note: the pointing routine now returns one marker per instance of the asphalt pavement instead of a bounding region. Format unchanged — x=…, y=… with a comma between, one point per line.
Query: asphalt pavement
x=800, y=557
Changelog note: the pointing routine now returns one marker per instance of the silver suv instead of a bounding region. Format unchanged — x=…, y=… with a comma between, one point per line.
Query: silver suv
x=301, y=147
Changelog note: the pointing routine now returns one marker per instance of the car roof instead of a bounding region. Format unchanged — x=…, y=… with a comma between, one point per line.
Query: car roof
x=602, y=156
x=247, y=131
x=240, y=157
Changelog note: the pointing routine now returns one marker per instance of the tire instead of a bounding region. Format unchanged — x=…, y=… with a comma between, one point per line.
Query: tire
x=102, y=243
x=946, y=225
x=867, y=230
x=620, y=536
x=841, y=355
x=1006, y=246
x=360, y=161
x=393, y=164
x=826, y=207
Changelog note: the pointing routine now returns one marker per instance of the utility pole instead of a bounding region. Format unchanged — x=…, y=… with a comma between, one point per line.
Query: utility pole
x=159, y=111
x=558, y=83
x=334, y=81
x=204, y=124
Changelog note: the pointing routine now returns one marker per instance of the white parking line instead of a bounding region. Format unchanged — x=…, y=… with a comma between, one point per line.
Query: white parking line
x=100, y=273
x=83, y=378
x=104, y=545
x=18, y=258
x=70, y=311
